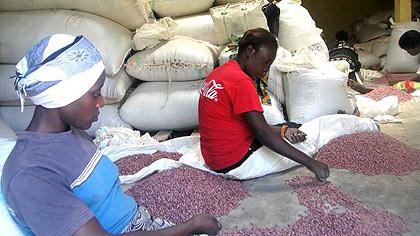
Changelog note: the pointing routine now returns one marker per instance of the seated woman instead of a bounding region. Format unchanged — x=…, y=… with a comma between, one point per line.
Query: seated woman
x=55, y=181
x=232, y=126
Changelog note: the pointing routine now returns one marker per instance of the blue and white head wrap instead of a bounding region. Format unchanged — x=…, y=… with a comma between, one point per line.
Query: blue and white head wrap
x=58, y=70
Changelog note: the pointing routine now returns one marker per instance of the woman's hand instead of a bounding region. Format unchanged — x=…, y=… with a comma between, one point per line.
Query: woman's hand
x=320, y=169
x=205, y=224
x=294, y=135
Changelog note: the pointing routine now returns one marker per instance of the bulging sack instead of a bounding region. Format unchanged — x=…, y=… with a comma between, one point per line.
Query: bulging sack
x=297, y=29
x=18, y=121
x=223, y=2
x=8, y=96
x=115, y=87
x=237, y=18
x=21, y=30
x=175, y=8
x=179, y=59
x=200, y=26
x=273, y=113
x=371, y=108
x=129, y=13
x=163, y=106
x=311, y=93
x=398, y=60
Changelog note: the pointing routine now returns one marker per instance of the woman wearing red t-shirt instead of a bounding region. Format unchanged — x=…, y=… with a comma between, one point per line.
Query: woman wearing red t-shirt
x=231, y=121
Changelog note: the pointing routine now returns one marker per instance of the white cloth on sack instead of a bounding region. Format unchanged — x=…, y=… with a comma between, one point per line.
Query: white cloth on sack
x=151, y=34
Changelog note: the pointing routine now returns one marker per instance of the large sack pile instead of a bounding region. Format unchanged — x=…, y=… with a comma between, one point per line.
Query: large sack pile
x=372, y=35
x=301, y=77
x=298, y=32
x=172, y=72
x=174, y=54
x=377, y=43
x=169, y=56
x=400, y=60
x=128, y=13
x=24, y=23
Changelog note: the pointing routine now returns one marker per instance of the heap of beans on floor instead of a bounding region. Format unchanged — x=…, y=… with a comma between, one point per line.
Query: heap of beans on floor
x=180, y=193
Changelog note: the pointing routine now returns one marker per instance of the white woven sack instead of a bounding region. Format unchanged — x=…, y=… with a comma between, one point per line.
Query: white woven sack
x=237, y=18
x=398, y=60
x=129, y=13
x=200, y=26
x=6, y=134
x=273, y=113
x=371, y=108
x=180, y=59
x=175, y=8
x=224, y=2
x=109, y=116
x=380, y=46
x=18, y=121
x=8, y=96
x=311, y=93
x=21, y=30
x=368, y=59
x=115, y=87
x=226, y=55
x=275, y=83
x=380, y=17
x=163, y=106
x=370, y=32
x=151, y=34
x=297, y=29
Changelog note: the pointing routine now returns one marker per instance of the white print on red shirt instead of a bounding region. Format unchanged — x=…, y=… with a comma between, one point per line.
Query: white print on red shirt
x=209, y=90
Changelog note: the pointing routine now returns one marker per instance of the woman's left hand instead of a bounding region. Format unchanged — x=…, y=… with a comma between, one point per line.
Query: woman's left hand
x=294, y=135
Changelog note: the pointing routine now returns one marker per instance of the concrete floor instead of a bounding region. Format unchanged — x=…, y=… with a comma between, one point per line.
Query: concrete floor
x=272, y=203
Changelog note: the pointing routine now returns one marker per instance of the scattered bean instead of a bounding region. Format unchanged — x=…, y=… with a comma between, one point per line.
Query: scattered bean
x=181, y=193
x=381, y=92
x=330, y=212
x=370, y=153
x=130, y=165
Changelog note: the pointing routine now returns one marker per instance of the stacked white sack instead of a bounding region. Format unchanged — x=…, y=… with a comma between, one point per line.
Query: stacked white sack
x=18, y=121
x=129, y=13
x=399, y=60
x=175, y=8
x=180, y=50
x=179, y=59
x=21, y=30
x=311, y=93
x=237, y=18
x=224, y=2
x=167, y=62
x=373, y=39
x=155, y=106
x=200, y=26
x=298, y=32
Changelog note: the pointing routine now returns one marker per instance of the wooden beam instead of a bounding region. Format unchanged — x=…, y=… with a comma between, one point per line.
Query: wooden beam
x=402, y=10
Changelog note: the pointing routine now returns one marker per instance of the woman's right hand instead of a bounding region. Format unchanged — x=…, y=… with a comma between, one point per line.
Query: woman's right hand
x=205, y=224
x=320, y=169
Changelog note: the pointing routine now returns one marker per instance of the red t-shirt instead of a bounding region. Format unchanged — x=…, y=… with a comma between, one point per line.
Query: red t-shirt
x=225, y=135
